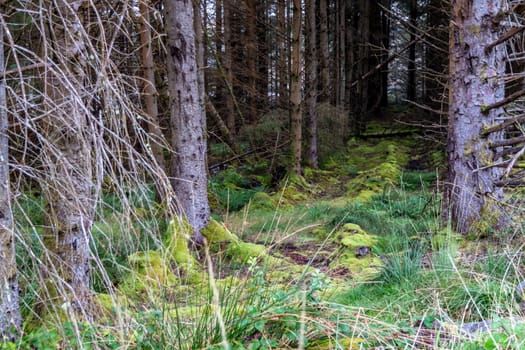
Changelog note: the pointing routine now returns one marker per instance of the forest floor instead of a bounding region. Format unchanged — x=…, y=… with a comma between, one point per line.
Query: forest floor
x=352, y=256
x=371, y=227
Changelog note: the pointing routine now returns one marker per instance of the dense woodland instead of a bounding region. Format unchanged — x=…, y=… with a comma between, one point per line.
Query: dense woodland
x=249, y=174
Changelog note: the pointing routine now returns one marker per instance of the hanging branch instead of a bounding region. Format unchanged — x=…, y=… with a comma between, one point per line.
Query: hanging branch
x=518, y=119
x=505, y=37
x=513, y=97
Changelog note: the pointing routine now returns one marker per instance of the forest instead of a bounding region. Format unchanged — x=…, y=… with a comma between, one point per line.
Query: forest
x=262, y=174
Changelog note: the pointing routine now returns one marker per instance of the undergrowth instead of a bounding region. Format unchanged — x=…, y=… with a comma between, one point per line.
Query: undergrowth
x=428, y=275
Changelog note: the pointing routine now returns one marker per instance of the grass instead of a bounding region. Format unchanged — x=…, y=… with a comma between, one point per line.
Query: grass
x=428, y=273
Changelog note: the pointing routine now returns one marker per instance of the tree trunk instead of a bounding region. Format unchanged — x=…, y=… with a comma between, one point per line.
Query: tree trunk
x=10, y=320
x=263, y=59
x=295, y=93
x=363, y=66
x=312, y=81
x=385, y=43
x=68, y=165
x=324, y=53
x=476, y=81
x=228, y=70
x=435, y=58
x=150, y=92
x=283, y=54
x=251, y=60
x=411, y=68
x=342, y=54
x=188, y=165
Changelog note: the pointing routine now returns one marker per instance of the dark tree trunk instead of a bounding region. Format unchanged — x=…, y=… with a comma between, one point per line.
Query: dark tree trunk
x=324, y=54
x=311, y=73
x=295, y=93
x=228, y=69
x=411, y=68
x=150, y=92
x=283, y=54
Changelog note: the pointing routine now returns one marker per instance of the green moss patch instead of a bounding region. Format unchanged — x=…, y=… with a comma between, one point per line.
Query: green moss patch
x=357, y=252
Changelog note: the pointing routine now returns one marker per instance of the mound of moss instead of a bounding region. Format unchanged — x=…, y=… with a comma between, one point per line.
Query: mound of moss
x=357, y=251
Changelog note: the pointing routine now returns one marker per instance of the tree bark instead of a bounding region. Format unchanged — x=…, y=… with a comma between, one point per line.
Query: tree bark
x=228, y=70
x=283, y=54
x=341, y=57
x=295, y=93
x=411, y=68
x=324, y=54
x=188, y=164
x=68, y=164
x=476, y=80
x=150, y=92
x=10, y=319
x=251, y=60
x=312, y=81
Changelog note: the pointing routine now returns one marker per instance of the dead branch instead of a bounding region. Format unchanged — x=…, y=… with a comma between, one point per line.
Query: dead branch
x=513, y=31
x=22, y=69
x=507, y=142
x=506, y=152
x=387, y=61
x=503, y=102
x=513, y=161
x=510, y=183
x=247, y=153
x=518, y=119
x=222, y=125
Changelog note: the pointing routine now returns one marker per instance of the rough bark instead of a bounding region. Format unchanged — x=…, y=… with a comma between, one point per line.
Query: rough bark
x=312, y=81
x=411, y=68
x=295, y=89
x=341, y=32
x=227, y=64
x=324, y=54
x=150, y=92
x=436, y=63
x=10, y=320
x=251, y=60
x=188, y=165
x=363, y=66
x=283, y=53
x=476, y=81
x=263, y=55
x=385, y=43
x=68, y=165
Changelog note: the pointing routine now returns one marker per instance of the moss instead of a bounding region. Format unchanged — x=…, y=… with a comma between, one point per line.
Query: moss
x=350, y=343
x=152, y=266
x=217, y=233
x=240, y=252
x=177, y=236
x=351, y=237
x=262, y=201
x=487, y=223
x=381, y=167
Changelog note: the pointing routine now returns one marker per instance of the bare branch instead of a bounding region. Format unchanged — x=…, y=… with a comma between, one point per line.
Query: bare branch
x=506, y=101
x=505, y=37
x=507, y=142
x=518, y=119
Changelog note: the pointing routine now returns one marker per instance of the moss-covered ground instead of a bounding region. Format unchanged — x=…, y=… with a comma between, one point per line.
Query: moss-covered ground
x=352, y=256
